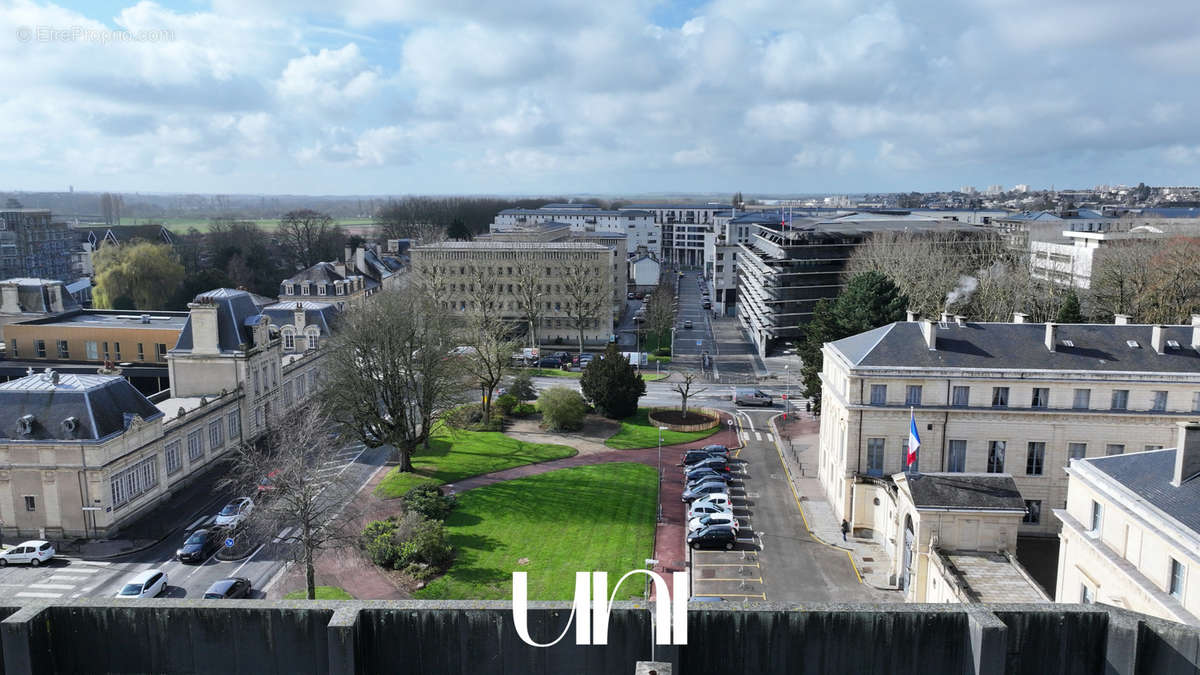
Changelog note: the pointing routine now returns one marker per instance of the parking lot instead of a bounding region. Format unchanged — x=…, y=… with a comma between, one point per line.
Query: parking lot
x=734, y=574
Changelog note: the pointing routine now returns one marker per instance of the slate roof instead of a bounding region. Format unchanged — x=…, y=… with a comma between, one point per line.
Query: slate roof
x=1148, y=475
x=320, y=314
x=320, y=272
x=1020, y=346
x=33, y=295
x=990, y=491
x=574, y=211
x=103, y=405
x=233, y=308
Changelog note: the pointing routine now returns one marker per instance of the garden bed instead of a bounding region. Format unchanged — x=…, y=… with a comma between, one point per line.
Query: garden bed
x=695, y=420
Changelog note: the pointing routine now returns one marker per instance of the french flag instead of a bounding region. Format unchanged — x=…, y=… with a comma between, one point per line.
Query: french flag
x=914, y=439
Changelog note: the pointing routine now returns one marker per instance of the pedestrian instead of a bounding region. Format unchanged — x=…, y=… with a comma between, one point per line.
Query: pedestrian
x=845, y=529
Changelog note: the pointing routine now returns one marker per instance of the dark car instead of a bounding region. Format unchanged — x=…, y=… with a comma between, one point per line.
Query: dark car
x=713, y=536
x=693, y=456
x=694, y=492
x=550, y=363
x=705, y=473
x=198, y=546
x=225, y=589
x=707, y=304
x=715, y=447
x=716, y=462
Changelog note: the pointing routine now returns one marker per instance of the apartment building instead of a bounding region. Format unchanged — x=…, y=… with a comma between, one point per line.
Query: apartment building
x=721, y=245
x=622, y=260
x=362, y=272
x=683, y=226
x=1015, y=398
x=461, y=265
x=33, y=245
x=1131, y=530
x=1070, y=263
x=638, y=226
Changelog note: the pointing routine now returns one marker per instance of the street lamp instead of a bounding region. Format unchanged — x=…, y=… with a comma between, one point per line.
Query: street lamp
x=660, y=430
x=787, y=396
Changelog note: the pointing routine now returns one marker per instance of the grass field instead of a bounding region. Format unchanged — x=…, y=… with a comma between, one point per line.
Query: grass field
x=637, y=432
x=322, y=593
x=551, y=525
x=454, y=455
x=550, y=372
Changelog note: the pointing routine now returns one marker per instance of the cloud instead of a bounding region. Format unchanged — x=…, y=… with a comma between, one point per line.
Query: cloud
x=330, y=78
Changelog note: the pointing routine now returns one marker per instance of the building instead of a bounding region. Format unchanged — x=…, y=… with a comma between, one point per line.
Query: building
x=645, y=271
x=88, y=240
x=638, y=226
x=33, y=245
x=460, y=265
x=95, y=336
x=363, y=272
x=1131, y=530
x=23, y=299
x=1020, y=230
x=1048, y=393
x=1070, y=263
x=302, y=325
x=683, y=226
x=721, y=245
x=792, y=262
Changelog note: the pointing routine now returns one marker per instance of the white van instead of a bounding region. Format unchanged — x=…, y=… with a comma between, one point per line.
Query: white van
x=752, y=397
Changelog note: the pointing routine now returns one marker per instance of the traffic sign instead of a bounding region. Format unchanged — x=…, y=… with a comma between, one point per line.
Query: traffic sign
x=699, y=343
x=785, y=397
x=228, y=542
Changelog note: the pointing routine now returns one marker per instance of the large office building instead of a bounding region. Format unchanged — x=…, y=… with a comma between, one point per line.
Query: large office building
x=638, y=226
x=1131, y=530
x=33, y=245
x=683, y=226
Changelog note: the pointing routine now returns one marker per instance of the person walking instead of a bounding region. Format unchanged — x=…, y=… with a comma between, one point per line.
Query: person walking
x=845, y=529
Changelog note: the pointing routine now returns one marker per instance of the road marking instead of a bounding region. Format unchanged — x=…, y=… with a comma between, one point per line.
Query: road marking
x=757, y=580
x=98, y=563
x=82, y=570
x=770, y=438
x=283, y=534
x=239, y=567
x=53, y=587
x=196, y=524
x=39, y=595
x=745, y=436
x=61, y=577
x=757, y=436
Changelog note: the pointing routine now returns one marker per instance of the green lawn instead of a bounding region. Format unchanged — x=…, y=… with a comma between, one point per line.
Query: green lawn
x=454, y=455
x=551, y=525
x=651, y=377
x=322, y=593
x=637, y=432
x=551, y=372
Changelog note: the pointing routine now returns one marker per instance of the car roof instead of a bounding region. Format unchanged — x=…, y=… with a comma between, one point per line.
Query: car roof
x=33, y=542
x=143, y=577
x=709, y=498
x=222, y=585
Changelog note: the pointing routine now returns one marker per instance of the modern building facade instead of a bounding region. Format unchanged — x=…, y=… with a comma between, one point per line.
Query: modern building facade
x=33, y=245
x=683, y=226
x=1131, y=530
x=95, y=336
x=638, y=226
x=1014, y=398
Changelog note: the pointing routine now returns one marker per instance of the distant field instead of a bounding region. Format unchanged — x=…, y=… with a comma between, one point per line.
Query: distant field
x=182, y=225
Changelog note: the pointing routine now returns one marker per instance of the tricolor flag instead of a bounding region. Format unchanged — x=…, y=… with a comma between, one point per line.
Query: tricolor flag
x=914, y=439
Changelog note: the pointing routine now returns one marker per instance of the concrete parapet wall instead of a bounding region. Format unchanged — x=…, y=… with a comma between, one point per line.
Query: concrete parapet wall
x=476, y=638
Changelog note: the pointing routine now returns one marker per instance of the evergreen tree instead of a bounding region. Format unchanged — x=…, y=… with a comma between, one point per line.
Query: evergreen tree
x=1070, y=311
x=459, y=231
x=612, y=384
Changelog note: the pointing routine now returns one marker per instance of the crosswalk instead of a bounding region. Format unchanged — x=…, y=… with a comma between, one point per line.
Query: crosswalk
x=758, y=436
x=77, y=576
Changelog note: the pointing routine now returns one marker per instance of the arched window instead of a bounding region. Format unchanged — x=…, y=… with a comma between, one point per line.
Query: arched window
x=289, y=338
x=312, y=334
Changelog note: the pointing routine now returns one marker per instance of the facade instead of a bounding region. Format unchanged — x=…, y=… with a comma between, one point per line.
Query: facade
x=1011, y=398
x=462, y=264
x=683, y=226
x=638, y=226
x=1131, y=531
x=95, y=336
x=721, y=245
x=645, y=270
x=301, y=325
x=33, y=245
x=363, y=272
x=1071, y=263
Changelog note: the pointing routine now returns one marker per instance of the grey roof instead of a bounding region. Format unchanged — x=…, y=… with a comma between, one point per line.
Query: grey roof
x=233, y=308
x=112, y=318
x=687, y=206
x=570, y=205
x=556, y=211
x=1149, y=475
x=1095, y=347
x=321, y=314
x=102, y=405
x=991, y=491
x=320, y=272
x=33, y=295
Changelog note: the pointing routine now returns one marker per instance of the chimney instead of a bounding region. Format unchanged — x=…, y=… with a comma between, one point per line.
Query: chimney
x=1051, y=335
x=1156, y=339
x=1196, y=332
x=1121, y=319
x=929, y=332
x=298, y=318
x=945, y=317
x=1187, y=452
x=56, y=297
x=960, y=320
x=360, y=260
x=204, y=327
x=349, y=254
x=1018, y=317
x=912, y=316
x=9, y=299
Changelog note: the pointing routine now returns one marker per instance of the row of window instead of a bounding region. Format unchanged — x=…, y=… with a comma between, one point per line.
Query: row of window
x=960, y=396
x=1176, y=574
x=268, y=383
x=92, y=350
x=956, y=455
x=133, y=482
x=311, y=334
x=339, y=289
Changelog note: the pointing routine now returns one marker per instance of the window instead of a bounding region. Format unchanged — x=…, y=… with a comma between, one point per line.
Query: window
x=117, y=351
x=234, y=424
x=1097, y=517
x=1196, y=402
x=64, y=350
x=1076, y=450
x=39, y=348
x=173, y=462
x=160, y=352
x=1178, y=576
x=1159, y=402
x=1120, y=399
x=1086, y=595
x=875, y=456
x=133, y=482
x=195, y=443
x=1083, y=399
x=913, y=395
x=1041, y=398
x=995, y=462
x=878, y=394
x=289, y=339
x=312, y=339
x=999, y=397
x=30, y=503
x=1036, y=459
x=1114, y=449
x=216, y=435
x=1150, y=448
x=957, y=462
x=12, y=346
x=104, y=345
x=274, y=374
x=961, y=396
x=256, y=381
x=141, y=352
x=287, y=392
x=91, y=350
x=1033, y=512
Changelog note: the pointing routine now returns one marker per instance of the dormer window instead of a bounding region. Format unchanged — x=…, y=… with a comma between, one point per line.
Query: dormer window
x=321, y=289
x=25, y=425
x=289, y=339
x=341, y=289
x=304, y=288
x=291, y=289
x=312, y=337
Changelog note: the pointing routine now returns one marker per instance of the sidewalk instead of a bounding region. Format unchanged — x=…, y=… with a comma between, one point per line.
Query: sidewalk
x=798, y=440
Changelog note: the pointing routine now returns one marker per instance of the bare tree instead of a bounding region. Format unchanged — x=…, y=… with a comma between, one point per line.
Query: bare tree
x=388, y=371
x=292, y=494
x=422, y=220
x=660, y=315
x=686, y=390
x=1006, y=288
x=487, y=333
x=586, y=296
x=1174, y=290
x=308, y=237
x=1122, y=275
x=528, y=289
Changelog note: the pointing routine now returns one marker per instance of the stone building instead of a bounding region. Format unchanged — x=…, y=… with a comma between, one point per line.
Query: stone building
x=363, y=272
x=32, y=244
x=1131, y=530
x=639, y=227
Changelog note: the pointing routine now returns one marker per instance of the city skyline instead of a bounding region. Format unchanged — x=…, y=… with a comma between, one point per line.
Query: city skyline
x=625, y=97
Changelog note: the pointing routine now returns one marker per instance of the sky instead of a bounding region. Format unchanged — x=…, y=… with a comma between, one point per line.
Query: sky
x=597, y=96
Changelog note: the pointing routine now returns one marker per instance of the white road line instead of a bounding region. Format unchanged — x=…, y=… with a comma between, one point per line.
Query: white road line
x=39, y=595
x=196, y=524
x=81, y=570
x=757, y=436
x=770, y=438
x=745, y=435
x=53, y=587
x=239, y=567
x=98, y=563
x=62, y=577
x=283, y=534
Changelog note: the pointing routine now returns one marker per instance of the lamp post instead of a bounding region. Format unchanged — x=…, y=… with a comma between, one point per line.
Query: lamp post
x=787, y=396
x=660, y=430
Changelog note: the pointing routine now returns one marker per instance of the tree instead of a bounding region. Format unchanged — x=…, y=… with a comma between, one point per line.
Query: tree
x=389, y=373
x=146, y=273
x=612, y=384
x=528, y=289
x=1174, y=289
x=309, y=237
x=522, y=387
x=242, y=249
x=486, y=332
x=562, y=409
x=459, y=231
x=1070, y=311
x=310, y=505
x=411, y=219
x=585, y=295
x=660, y=314
x=686, y=390
x=737, y=202
x=196, y=283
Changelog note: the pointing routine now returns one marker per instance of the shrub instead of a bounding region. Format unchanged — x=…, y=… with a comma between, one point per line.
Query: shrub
x=612, y=384
x=430, y=545
x=524, y=409
x=412, y=540
x=562, y=409
x=427, y=499
x=662, y=351
x=470, y=417
x=380, y=544
x=505, y=403
x=522, y=387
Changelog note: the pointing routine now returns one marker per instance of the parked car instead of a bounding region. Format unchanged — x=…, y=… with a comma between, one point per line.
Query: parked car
x=715, y=447
x=706, y=473
x=703, y=507
x=198, y=546
x=694, y=492
x=715, y=462
x=267, y=484
x=687, y=325
x=720, y=499
x=752, y=397
x=692, y=457
x=148, y=584
x=225, y=589
x=33, y=552
x=713, y=536
x=707, y=304
x=703, y=521
x=639, y=296
x=234, y=512
x=629, y=296
x=551, y=363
